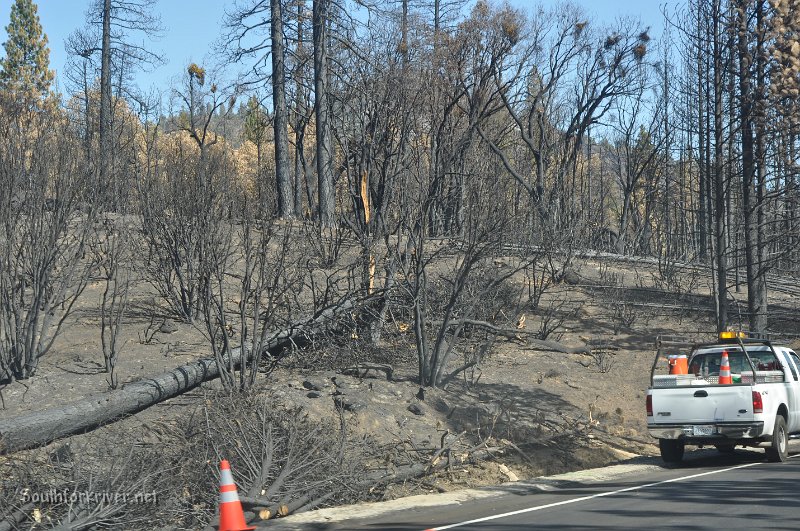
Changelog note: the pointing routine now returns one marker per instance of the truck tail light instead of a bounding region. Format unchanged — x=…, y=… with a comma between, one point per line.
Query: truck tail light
x=758, y=404
x=650, y=403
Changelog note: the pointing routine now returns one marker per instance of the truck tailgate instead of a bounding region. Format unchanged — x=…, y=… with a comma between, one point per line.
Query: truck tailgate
x=693, y=405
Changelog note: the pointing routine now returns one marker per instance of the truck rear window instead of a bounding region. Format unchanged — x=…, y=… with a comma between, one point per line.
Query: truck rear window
x=708, y=363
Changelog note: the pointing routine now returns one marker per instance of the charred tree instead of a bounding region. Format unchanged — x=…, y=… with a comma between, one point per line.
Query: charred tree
x=286, y=207
x=325, y=187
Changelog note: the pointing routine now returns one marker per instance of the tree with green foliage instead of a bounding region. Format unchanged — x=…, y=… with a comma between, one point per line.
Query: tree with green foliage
x=256, y=127
x=25, y=67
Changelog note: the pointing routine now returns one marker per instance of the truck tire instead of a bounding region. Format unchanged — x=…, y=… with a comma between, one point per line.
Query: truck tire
x=779, y=451
x=671, y=450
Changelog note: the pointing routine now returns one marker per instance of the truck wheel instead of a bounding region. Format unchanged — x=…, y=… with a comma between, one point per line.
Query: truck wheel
x=671, y=450
x=779, y=451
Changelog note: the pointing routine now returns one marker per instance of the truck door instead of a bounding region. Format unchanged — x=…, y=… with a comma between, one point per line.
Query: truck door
x=793, y=390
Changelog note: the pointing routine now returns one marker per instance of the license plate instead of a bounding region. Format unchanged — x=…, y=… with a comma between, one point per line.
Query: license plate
x=702, y=430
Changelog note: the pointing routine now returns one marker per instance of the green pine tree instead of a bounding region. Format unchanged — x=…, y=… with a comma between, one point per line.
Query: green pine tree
x=256, y=123
x=25, y=68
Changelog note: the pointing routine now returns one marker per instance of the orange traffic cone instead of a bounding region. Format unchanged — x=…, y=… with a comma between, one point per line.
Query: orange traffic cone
x=231, y=516
x=725, y=370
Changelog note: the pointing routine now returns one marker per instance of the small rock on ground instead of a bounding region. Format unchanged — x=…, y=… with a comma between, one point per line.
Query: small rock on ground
x=416, y=409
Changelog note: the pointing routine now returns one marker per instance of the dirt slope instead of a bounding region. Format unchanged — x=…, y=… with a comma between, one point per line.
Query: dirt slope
x=539, y=412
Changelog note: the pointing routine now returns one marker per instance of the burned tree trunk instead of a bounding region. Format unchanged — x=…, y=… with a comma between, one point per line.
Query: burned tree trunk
x=286, y=207
x=325, y=188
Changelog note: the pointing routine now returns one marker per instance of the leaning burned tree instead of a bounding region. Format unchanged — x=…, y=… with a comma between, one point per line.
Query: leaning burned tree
x=41, y=427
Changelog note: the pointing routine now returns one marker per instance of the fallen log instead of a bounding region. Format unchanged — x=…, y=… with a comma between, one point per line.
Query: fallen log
x=361, y=369
x=42, y=427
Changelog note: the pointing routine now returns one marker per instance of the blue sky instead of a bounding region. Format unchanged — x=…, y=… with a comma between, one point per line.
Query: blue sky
x=192, y=26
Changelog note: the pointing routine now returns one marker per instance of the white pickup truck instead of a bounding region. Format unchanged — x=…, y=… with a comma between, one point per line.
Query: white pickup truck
x=761, y=408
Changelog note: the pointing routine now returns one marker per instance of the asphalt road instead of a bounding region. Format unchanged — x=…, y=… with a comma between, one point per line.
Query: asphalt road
x=709, y=491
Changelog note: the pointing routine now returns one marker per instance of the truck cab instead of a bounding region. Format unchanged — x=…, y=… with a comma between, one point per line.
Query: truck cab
x=736, y=391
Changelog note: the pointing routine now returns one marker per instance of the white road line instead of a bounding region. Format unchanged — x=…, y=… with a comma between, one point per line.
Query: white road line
x=600, y=495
